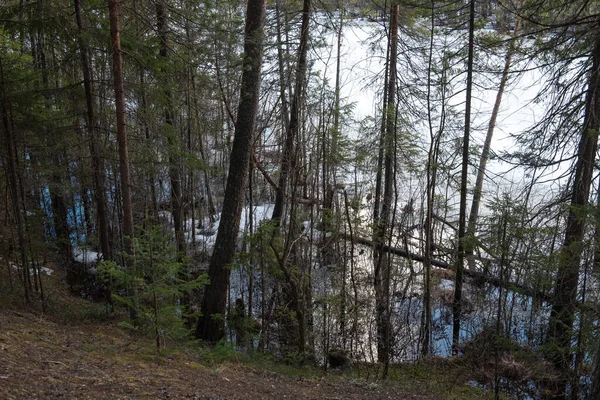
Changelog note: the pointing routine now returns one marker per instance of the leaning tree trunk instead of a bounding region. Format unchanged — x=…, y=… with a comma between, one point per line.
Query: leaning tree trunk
x=382, y=264
x=485, y=152
x=564, y=303
x=457, y=301
x=211, y=324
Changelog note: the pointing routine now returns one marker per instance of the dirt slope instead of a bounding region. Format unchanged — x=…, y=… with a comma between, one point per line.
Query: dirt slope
x=41, y=359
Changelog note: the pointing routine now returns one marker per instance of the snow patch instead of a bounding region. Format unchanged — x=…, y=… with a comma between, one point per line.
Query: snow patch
x=43, y=270
x=206, y=235
x=85, y=256
x=446, y=284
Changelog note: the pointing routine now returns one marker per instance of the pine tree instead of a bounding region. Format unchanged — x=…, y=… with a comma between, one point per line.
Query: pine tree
x=211, y=324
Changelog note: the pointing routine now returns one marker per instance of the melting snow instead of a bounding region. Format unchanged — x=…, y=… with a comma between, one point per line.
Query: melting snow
x=85, y=256
x=43, y=270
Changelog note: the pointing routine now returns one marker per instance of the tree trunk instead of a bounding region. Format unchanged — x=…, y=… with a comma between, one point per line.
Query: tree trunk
x=174, y=173
x=97, y=163
x=57, y=178
x=288, y=162
x=485, y=152
x=283, y=81
x=59, y=214
x=596, y=266
x=383, y=228
x=379, y=171
x=209, y=197
x=457, y=301
x=432, y=160
x=211, y=323
x=114, y=7
x=595, y=392
x=295, y=296
x=562, y=314
x=14, y=183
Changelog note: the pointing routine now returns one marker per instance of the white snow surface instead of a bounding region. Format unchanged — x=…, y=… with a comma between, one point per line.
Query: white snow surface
x=206, y=233
x=446, y=284
x=43, y=270
x=86, y=256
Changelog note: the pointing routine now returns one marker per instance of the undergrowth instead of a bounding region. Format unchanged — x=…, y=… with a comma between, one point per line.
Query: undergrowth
x=441, y=378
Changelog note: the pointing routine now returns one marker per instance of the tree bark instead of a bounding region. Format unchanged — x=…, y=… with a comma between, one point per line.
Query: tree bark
x=432, y=160
x=97, y=162
x=379, y=171
x=485, y=152
x=211, y=325
x=595, y=392
x=207, y=185
x=382, y=264
x=564, y=303
x=16, y=199
x=114, y=8
x=289, y=153
x=59, y=214
x=457, y=301
x=174, y=172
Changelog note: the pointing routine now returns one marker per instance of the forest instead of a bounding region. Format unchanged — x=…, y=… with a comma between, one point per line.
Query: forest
x=336, y=182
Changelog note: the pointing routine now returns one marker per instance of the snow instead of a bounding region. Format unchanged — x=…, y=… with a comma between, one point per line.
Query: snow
x=206, y=234
x=43, y=270
x=446, y=284
x=46, y=270
x=166, y=217
x=85, y=256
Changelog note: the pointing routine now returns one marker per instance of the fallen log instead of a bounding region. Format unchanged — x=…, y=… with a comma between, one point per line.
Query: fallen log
x=494, y=281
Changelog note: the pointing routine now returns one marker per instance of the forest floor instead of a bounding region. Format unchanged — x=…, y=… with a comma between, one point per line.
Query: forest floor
x=77, y=351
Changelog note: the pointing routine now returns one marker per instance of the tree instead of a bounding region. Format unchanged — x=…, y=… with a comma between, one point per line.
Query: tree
x=114, y=8
x=457, y=301
x=383, y=225
x=97, y=162
x=288, y=161
x=161, y=269
x=485, y=152
x=562, y=316
x=211, y=324
x=169, y=127
x=14, y=182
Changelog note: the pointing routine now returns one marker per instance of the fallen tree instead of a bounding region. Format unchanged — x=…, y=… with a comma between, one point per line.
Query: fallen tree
x=476, y=275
